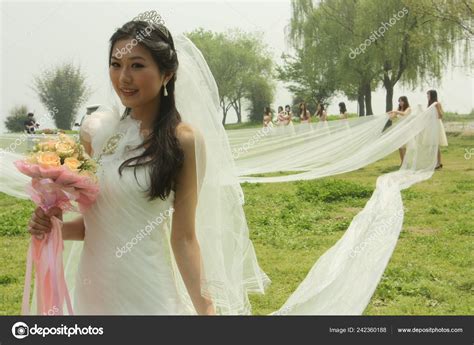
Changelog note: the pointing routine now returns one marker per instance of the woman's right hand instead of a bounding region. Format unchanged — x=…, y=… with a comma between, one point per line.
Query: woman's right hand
x=40, y=223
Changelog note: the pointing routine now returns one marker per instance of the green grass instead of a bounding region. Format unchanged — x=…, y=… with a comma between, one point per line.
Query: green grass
x=292, y=224
x=430, y=272
x=448, y=116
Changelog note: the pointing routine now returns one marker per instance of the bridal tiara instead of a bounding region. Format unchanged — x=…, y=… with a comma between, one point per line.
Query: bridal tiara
x=153, y=17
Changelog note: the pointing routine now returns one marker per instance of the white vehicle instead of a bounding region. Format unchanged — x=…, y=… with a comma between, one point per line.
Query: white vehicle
x=89, y=110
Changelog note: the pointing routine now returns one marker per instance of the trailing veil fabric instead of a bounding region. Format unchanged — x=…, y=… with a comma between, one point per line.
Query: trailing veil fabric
x=342, y=281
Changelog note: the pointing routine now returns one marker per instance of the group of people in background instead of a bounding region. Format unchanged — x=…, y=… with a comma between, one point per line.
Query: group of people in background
x=285, y=118
x=285, y=115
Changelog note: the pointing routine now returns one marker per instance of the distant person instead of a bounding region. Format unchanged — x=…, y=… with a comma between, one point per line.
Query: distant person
x=283, y=117
x=305, y=115
x=289, y=113
x=402, y=111
x=343, y=110
x=321, y=113
x=30, y=124
x=443, y=139
x=267, y=117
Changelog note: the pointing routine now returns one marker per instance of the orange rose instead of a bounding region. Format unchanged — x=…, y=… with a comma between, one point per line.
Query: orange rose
x=67, y=139
x=33, y=159
x=48, y=159
x=72, y=163
x=47, y=146
x=64, y=149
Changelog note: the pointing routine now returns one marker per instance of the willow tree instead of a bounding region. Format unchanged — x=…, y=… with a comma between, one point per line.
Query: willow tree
x=322, y=36
x=415, y=46
x=372, y=42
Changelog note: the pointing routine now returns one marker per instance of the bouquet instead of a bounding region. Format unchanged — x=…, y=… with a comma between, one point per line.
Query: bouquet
x=62, y=175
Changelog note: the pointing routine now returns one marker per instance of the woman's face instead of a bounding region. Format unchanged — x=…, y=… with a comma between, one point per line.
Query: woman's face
x=400, y=102
x=135, y=76
x=428, y=95
x=319, y=107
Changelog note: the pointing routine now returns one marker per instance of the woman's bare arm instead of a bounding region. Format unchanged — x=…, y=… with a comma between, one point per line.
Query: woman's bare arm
x=183, y=235
x=440, y=110
x=74, y=230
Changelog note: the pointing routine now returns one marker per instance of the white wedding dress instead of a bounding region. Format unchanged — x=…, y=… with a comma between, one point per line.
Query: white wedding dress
x=110, y=278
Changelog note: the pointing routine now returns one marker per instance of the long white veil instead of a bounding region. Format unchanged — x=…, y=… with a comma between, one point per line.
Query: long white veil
x=343, y=280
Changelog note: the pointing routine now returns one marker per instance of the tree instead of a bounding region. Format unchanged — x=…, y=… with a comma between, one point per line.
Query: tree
x=322, y=35
x=17, y=116
x=260, y=93
x=367, y=42
x=254, y=64
x=458, y=13
x=234, y=58
x=305, y=77
x=216, y=52
x=415, y=46
x=62, y=90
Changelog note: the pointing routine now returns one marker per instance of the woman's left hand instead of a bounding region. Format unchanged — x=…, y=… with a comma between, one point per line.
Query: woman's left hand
x=206, y=307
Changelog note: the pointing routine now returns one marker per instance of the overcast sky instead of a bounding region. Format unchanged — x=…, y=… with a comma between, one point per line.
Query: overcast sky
x=40, y=34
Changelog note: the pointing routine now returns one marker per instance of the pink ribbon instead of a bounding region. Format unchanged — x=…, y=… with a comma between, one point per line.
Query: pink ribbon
x=46, y=255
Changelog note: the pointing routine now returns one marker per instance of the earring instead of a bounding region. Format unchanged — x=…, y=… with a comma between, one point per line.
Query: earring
x=165, y=91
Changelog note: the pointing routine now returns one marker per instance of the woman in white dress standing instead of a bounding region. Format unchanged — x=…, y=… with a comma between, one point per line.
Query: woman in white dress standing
x=282, y=117
x=142, y=238
x=267, y=117
x=321, y=112
x=402, y=111
x=305, y=117
x=443, y=139
x=289, y=114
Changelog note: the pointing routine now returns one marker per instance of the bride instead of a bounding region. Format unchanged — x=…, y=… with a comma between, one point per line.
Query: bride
x=167, y=234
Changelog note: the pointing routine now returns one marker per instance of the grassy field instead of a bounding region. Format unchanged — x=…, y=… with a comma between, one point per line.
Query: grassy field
x=292, y=224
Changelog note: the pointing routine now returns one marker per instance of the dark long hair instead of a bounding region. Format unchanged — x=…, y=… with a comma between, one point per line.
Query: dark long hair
x=433, y=97
x=163, y=153
x=405, y=103
x=304, y=110
x=342, y=108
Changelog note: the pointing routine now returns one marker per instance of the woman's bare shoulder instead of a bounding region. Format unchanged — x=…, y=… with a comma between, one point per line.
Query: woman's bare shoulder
x=189, y=137
x=185, y=134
